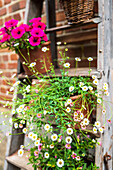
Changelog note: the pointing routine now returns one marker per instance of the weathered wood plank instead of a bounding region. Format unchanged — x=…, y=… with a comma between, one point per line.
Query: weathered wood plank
x=81, y=37
x=51, y=22
x=33, y=9
x=79, y=72
x=104, y=65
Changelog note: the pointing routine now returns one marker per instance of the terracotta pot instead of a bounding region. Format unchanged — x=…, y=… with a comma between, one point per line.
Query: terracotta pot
x=36, y=55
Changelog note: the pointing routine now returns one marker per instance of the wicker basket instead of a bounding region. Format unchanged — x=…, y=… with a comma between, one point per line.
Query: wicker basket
x=78, y=10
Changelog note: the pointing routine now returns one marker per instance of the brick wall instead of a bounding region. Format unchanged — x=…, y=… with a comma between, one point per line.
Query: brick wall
x=81, y=42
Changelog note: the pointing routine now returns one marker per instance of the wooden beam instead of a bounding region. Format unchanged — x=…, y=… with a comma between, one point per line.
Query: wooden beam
x=105, y=63
x=51, y=22
x=33, y=9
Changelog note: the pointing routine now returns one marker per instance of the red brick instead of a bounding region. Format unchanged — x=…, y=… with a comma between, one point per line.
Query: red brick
x=8, y=18
x=12, y=65
x=14, y=7
x=2, y=66
x=1, y=4
x=1, y=22
x=44, y=19
x=7, y=74
x=7, y=1
x=13, y=56
x=5, y=57
x=3, y=90
x=17, y=17
x=22, y=4
x=4, y=97
x=2, y=11
x=60, y=16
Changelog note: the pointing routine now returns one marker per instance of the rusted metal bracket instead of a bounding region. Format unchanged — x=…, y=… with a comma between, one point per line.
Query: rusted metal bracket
x=106, y=159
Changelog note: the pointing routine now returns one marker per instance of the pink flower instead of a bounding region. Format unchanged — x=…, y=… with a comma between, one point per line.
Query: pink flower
x=55, y=156
x=74, y=155
x=99, y=143
x=18, y=32
x=11, y=23
x=71, y=104
x=20, y=126
x=40, y=147
x=83, y=127
x=3, y=30
x=40, y=25
x=45, y=37
x=34, y=20
x=34, y=41
x=36, y=90
x=68, y=146
x=26, y=27
x=37, y=32
x=26, y=108
x=36, y=153
x=39, y=115
x=108, y=121
x=5, y=37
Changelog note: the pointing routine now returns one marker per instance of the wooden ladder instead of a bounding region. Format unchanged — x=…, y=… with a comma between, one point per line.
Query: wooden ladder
x=104, y=72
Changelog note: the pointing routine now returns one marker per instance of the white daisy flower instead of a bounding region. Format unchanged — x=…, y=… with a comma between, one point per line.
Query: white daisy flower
x=21, y=146
x=69, y=131
x=90, y=59
x=16, y=83
x=95, y=81
x=90, y=88
x=103, y=111
x=77, y=59
x=94, y=77
x=68, y=139
x=60, y=163
x=78, y=158
x=97, y=124
x=44, y=49
x=51, y=146
x=11, y=89
x=81, y=84
x=37, y=142
x=34, y=82
x=58, y=43
x=32, y=64
x=45, y=112
x=54, y=137
x=69, y=101
x=30, y=135
x=93, y=140
x=81, y=116
x=1, y=71
x=13, y=112
x=47, y=127
x=71, y=88
x=99, y=100
x=75, y=114
x=34, y=137
x=24, y=130
x=46, y=155
x=13, y=75
x=68, y=109
x=101, y=130
x=84, y=88
x=95, y=130
x=15, y=125
x=67, y=65
x=86, y=121
x=20, y=152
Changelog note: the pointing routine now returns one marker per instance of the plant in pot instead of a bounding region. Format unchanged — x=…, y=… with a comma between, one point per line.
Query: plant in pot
x=27, y=41
x=57, y=112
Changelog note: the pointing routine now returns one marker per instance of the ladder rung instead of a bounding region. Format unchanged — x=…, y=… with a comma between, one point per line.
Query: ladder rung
x=20, y=162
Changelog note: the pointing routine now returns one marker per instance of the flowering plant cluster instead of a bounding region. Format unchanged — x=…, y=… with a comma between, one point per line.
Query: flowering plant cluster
x=23, y=36
x=57, y=112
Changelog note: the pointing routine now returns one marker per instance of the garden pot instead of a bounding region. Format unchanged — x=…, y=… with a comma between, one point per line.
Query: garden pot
x=37, y=55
